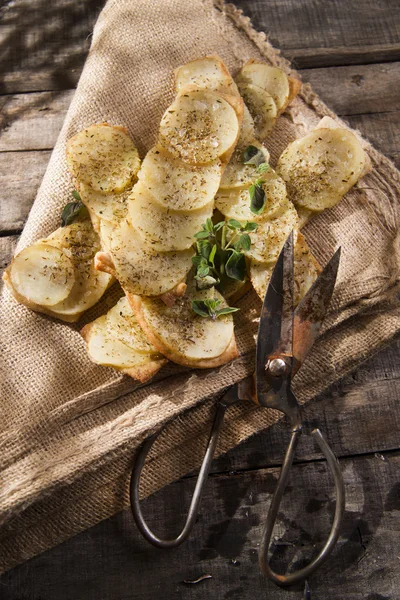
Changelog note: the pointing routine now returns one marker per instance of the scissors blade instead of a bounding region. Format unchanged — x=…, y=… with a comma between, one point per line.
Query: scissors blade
x=276, y=320
x=311, y=311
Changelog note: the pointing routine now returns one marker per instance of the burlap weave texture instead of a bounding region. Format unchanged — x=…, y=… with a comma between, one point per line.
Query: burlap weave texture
x=69, y=428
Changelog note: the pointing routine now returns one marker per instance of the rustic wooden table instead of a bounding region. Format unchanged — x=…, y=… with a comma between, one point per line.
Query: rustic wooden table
x=348, y=51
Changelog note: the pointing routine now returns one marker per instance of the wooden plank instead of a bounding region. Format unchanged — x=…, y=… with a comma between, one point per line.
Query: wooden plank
x=316, y=34
x=7, y=248
x=382, y=130
x=357, y=89
x=45, y=43
x=32, y=121
x=112, y=561
x=20, y=177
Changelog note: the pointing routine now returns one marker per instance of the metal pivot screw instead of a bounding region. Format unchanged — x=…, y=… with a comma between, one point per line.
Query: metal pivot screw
x=277, y=367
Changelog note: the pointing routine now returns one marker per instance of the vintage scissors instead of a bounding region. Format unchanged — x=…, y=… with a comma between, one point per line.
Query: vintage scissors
x=285, y=337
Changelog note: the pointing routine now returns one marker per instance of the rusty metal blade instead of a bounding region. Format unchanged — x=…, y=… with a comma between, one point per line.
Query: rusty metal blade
x=311, y=311
x=276, y=320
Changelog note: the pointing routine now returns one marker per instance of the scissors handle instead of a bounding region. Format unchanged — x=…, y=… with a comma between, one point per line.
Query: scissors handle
x=333, y=464
x=198, y=491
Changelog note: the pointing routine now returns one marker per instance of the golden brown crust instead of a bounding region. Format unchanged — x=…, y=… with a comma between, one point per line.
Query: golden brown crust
x=229, y=353
x=178, y=291
x=294, y=89
x=104, y=262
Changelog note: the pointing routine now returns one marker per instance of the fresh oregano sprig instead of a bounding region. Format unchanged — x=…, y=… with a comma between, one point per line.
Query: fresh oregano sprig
x=254, y=156
x=209, y=308
x=73, y=210
x=220, y=252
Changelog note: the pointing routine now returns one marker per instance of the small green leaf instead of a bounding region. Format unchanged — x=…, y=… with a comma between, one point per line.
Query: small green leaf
x=70, y=212
x=262, y=168
x=257, y=198
x=212, y=303
x=203, y=271
x=209, y=226
x=226, y=311
x=233, y=224
x=212, y=255
x=253, y=156
x=219, y=226
x=205, y=283
x=200, y=308
x=245, y=241
x=198, y=260
x=235, y=266
x=204, y=248
x=250, y=226
x=201, y=235
x=76, y=195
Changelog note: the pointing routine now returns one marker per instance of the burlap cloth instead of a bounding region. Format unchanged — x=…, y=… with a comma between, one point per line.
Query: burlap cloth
x=69, y=429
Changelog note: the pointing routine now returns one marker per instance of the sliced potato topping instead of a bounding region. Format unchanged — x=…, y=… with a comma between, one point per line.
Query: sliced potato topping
x=78, y=241
x=234, y=203
x=199, y=127
x=42, y=274
x=163, y=228
x=321, y=167
x=122, y=324
x=89, y=287
x=103, y=157
x=239, y=175
x=262, y=108
x=269, y=237
x=247, y=133
x=107, y=350
x=205, y=73
x=271, y=79
x=112, y=207
x=306, y=271
x=176, y=185
x=142, y=270
x=179, y=333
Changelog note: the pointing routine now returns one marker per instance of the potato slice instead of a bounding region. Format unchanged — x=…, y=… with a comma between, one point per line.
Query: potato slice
x=142, y=270
x=306, y=271
x=89, y=287
x=239, y=175
x=176, y=185
x=208, y=72
x=321, y=167
x=163, y=228
x=107, y=350
x=268, y=239
x=200, y=127
x=262, y=108
x=112, y=207
x=103, y=157
x=183, y=336
x=78, y=241
x=247, y=131
x=271, y=79
x=122, y=324
x=234, y=203
x=42, y=274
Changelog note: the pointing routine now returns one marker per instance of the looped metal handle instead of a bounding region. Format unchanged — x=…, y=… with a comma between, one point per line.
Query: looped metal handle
x=198, y=491
x=333, y=464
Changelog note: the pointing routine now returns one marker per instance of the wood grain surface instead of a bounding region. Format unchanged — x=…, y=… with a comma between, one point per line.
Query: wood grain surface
x=350, y=53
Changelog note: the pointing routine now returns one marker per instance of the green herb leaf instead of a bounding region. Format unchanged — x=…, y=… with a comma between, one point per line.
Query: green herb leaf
x=219, y=226
x=245, y=241
x=250, y=226
x=233, y=224
x=199, y=260
x=200, y=308
x=257, y=198
x=253, y=156
x=235, y=266
x=203, y=271
x=209, y=226
x=202, y=235
x=76, y=195
x=262, y=168
x=204, y=248
x=212, y=255
x=70, y=212
x=226, y=311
